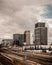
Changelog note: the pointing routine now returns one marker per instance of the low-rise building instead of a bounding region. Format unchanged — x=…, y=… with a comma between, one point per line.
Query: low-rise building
x=7, y=42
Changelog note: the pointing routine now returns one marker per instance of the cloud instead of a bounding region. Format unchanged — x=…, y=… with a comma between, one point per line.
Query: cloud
x=48, y=11
x=16, y=16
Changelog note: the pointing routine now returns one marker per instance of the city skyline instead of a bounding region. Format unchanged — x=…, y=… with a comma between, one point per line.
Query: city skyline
x=20, y=15
x=25, y=32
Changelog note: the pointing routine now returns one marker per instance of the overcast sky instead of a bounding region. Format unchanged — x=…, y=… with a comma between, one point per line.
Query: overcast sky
x=16, y=16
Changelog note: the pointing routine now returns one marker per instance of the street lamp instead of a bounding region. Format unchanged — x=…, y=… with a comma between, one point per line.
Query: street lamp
x=25, y=51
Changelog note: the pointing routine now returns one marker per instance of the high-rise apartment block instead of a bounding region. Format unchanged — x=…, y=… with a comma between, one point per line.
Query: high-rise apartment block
x=27, y=37
x=40, y=34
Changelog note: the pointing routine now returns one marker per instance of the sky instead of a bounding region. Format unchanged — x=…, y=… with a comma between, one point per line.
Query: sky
x=16, y=16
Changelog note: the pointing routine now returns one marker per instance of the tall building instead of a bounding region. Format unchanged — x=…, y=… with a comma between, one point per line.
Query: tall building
x=40, y=34
x=27, y=37
x=18, y=39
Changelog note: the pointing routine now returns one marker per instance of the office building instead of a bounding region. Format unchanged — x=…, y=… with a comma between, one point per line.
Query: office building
x=27, y=37
x=18, y=39
x=40, y=34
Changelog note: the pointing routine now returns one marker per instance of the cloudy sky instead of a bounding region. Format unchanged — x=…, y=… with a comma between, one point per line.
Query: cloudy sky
x=16, y=16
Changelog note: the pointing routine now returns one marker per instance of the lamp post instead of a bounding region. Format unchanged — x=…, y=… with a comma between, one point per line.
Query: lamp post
x=25, y=51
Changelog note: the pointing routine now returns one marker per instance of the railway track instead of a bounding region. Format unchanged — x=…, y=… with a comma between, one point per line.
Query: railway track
x=34, y=58
x=5, y=61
